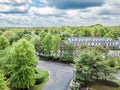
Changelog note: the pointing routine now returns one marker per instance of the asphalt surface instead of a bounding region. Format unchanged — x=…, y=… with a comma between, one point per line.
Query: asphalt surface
x=60, y=75
x=117, y=75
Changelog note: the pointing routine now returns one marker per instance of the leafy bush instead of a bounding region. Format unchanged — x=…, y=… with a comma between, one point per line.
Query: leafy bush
x=2, y=82
x=41, y=79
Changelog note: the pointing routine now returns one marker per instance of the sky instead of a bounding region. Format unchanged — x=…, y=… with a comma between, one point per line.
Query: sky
x=59, y=12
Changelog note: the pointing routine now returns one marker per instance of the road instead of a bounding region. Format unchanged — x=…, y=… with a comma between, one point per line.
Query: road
x=60, y=75
x=117, y=75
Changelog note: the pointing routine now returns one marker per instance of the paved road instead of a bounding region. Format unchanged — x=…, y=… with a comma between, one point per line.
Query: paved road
x=60, y=75
x=117, y=75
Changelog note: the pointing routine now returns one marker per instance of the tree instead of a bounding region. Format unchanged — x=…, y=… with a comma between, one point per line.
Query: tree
x=42, y=36
x=5, y=61
x=2, y=82
x=27, y=37
x=83, y=69
x=38, y=45
x=90, y=65
x=47, y=44
x=83, y=46
x=103, y=50
x=56, y=44
x=23, y=63
x=67, y=52
x=3, y=42
x=10, y=35
x=1, y=32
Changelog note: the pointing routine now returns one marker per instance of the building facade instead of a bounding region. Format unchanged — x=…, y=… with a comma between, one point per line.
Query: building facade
x=94, y=41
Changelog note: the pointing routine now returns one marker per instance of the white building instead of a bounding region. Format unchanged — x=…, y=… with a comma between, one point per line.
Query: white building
x=94, y=41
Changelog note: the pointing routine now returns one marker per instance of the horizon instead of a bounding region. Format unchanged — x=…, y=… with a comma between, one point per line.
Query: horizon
x=50, y=13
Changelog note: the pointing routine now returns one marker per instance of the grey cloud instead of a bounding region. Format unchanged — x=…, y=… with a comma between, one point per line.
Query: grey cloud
x=74, y=4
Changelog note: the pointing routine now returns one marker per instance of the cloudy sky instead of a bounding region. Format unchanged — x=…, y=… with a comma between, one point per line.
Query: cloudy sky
x=59, y=12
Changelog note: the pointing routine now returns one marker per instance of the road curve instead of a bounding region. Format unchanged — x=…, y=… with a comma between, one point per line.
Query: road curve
x=60, y=75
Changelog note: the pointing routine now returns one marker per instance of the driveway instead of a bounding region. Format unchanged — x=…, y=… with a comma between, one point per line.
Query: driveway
x=60, y=75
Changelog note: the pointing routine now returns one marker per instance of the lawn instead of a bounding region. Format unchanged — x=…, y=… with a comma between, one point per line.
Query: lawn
x=112, y=84
x=103, y=87
x=45, y=74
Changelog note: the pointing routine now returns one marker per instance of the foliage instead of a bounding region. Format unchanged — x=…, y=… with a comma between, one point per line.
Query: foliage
x=23, y=63
x=10, y=35
x=41, y=75
x=83, y=46
x=2, y=82
x=59, y=34
x=27, y=37
x=47, y=44
x=5, y=61
x=56, y=44
x=1, y=32
x=114, y=61
x=3, y=42
x=91, y=65
x=37, y=44
x=40, y=43
x=66, y=52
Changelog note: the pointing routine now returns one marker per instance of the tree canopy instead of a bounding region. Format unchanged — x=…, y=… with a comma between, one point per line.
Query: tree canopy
x=23, y=63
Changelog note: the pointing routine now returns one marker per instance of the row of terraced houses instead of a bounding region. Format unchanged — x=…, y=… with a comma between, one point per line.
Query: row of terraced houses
x=94, y=41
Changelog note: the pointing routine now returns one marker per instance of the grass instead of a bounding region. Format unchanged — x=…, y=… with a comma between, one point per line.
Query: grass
x=46, y=77
x=103, y=87
x=99, y=86
x=115, y=80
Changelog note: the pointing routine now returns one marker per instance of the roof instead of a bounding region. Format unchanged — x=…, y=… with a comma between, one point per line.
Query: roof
x=90, y=38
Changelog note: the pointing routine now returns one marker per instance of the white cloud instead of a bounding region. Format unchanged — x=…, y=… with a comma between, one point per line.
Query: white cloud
x=14, y=6
x=42, y=10
x=107, y=14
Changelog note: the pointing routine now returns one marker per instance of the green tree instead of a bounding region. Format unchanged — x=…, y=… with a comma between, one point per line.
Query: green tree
x=90, y=65
x=56, y=44
x=3, y=85
x=103, y=50
x=42, y=36
x=5, y=61
x=1, y=32
x=23, y=63
x=83, y=46
x=66, y=52
x=83, y=69
x=10, y=35
x=38, y=45
x=3, y=42
x=47, y=44
x=27, y=37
